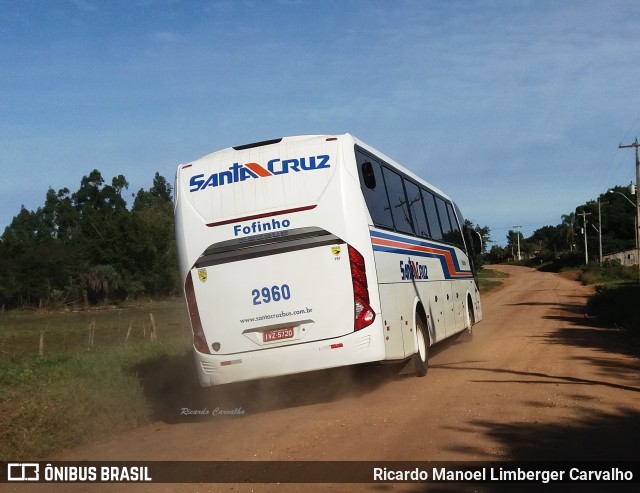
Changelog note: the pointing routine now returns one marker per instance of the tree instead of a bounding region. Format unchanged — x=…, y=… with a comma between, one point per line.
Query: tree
x=568, y=232
x=87, y=246
x=512, y=242
x=99, y=281
x=497, y=254
x=154, y=253
x=548, y=242
x=483, y=231
x=617, y=225
x=618, y=220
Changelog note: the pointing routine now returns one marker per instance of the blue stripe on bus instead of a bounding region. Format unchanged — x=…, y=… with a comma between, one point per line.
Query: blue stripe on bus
x=410, y=246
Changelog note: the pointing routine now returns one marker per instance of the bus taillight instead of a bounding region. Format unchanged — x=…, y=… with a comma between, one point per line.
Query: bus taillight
x=363, y=313
x=199, y=340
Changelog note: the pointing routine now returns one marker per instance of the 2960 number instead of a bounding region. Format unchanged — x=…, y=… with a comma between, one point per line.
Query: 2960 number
x=274, y=293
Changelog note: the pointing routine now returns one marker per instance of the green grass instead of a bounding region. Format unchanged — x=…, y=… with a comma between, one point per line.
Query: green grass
x=491, y=273
x=609, y=271
x=489, y=279
x=69, y=331
x=73, y=394
x=615, y=302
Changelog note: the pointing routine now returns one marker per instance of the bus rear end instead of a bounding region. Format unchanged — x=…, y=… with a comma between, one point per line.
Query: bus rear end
x=276, y=260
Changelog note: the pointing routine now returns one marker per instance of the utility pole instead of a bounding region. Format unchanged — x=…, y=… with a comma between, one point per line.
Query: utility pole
x=518, y=233
x=635, y=144
x=600, y=229
x=584, y=219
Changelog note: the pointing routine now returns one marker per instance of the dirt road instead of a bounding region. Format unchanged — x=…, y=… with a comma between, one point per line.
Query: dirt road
x=536, y=380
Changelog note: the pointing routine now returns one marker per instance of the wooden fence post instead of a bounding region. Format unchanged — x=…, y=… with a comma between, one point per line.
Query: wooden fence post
x=92, y=331
x=154, y=334
x=41, y=345
x=128, y=331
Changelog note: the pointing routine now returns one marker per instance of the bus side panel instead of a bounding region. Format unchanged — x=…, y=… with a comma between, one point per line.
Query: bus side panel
x=459, y=301
x=448, y=307
x=398, y=299
x=395, y=309
x=434, y=306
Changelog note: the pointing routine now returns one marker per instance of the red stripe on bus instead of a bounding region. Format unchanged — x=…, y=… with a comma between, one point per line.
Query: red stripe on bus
x=260, y=216
x=409, y=246
x=257, y=169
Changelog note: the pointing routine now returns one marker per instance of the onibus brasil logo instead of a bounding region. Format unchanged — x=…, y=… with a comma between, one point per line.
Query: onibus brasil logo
x=241, y=172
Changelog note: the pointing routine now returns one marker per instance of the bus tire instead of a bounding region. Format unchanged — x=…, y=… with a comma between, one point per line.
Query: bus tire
x=470, y=314
x=421, y=357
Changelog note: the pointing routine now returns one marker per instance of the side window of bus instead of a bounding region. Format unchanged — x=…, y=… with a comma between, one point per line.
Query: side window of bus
x=444, y=219
x=415, y=206
x=398, y=201
x=372, y=186
x=456, y=234
x=432, y=215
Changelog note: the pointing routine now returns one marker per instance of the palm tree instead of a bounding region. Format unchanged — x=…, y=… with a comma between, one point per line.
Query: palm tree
x=101, y=279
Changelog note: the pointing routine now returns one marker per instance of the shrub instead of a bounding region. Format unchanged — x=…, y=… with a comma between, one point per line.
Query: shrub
x=610, y=271
x=617, y=306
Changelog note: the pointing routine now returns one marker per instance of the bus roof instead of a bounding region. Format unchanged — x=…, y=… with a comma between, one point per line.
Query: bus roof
x=355, y=140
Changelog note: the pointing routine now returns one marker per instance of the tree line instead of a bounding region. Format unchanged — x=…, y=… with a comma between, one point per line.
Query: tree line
x=88, y=247
x=612, y=214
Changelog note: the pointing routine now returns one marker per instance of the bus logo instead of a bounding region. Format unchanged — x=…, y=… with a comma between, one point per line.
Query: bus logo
x=241, y=172
x=413, y=270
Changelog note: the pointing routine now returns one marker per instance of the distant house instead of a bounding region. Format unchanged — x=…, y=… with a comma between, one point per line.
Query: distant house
x=628, y=257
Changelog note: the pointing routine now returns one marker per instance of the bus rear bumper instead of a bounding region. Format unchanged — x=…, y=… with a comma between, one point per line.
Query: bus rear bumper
x=366, y=345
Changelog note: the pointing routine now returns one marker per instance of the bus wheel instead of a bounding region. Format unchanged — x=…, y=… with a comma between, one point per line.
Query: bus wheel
x=472, y=318
x=421, y=358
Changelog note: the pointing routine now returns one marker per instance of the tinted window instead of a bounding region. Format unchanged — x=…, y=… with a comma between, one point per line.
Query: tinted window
x=398, y=201
x=415, y=207
x=456, y=234
x=375, y=198
x=432, y=215
x=444, y=217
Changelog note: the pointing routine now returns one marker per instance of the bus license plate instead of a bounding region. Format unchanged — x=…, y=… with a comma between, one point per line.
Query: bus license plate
x=277, y=334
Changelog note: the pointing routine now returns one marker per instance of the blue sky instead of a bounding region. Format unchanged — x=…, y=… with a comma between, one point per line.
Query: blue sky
x=514, y=108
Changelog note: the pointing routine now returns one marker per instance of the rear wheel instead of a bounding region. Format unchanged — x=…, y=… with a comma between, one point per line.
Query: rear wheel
x=421, y=358
x=472, y=318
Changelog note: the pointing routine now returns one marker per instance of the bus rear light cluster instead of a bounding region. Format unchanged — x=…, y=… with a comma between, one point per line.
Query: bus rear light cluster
x=199, y=340
x=363, y=313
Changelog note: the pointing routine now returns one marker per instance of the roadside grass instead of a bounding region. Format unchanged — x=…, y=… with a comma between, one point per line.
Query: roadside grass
x=616, y=305
x=74, y=394
x=608, y=272
x=64, y=331
x=489, y=279
x=615, y=301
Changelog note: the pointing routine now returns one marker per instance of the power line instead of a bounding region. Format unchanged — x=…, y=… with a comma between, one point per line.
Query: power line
x=611, y=169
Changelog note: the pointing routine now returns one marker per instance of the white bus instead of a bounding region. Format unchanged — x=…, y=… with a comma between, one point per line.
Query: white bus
x=311, y=252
